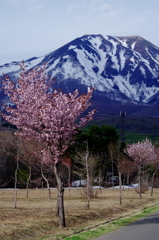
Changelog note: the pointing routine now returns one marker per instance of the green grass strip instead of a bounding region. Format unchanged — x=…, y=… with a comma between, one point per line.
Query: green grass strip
x=111, y=226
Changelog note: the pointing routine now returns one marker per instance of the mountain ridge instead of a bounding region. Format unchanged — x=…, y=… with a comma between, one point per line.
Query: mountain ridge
x=122, y=70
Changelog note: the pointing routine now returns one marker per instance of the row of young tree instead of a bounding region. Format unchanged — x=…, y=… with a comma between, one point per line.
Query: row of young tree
x=49, y=145
x=96, y=157
x=95, y=139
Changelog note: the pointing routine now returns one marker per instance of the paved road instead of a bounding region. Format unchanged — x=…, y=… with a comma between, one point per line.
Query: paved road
x=144, y=229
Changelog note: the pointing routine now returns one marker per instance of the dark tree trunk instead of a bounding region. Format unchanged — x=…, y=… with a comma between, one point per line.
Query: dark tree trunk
x=153, y=176
x=60, y=199
x=15, y=187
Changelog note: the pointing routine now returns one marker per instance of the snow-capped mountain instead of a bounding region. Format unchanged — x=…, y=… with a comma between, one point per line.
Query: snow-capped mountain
x=123, y=70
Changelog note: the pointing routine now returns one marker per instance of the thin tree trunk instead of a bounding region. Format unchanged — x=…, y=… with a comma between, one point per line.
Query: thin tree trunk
x=28, y=180
x=15, y=187
x=140, y=187
x=153, y=182
x=112, y=173
x=88, y=180
x=88, y=192
x=127, y=180
x=60, y=199
x=120, y=180
x=47, y=182
x=120, y=188
x=16, y=177
x=42, y=189
x=123, y=182
x=99, y=180
x=69, y=179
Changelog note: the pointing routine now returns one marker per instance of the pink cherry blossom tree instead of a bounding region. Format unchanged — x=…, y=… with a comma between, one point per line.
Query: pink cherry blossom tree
x=127, y=168
x=155, y=164
x=142, y=153
x=49, y=117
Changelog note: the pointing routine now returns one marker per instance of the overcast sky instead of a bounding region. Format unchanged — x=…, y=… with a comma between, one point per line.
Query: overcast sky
x=36, y=27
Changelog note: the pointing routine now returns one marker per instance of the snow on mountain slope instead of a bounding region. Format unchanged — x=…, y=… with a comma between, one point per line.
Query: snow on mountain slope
x=122, y=68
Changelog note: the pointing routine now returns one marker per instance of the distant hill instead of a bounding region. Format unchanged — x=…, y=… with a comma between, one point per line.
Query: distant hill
x=135, y=128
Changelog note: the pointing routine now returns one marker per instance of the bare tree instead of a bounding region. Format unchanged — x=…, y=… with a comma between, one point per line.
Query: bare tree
x=86, y=164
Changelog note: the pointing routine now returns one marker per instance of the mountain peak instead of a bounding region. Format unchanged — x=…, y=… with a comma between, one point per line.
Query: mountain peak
x=123, y=69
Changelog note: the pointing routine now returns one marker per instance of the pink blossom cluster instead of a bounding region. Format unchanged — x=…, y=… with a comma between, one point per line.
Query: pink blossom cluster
x=156, y=160
x=45, y=115
x=142, y=152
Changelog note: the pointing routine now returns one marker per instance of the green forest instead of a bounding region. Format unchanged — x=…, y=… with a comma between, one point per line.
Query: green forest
x=136, y=128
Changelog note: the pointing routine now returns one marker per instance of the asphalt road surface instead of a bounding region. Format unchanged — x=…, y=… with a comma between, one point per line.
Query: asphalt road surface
x=145, y=229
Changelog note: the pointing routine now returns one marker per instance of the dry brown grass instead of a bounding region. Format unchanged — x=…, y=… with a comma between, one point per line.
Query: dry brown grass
x=35, y=217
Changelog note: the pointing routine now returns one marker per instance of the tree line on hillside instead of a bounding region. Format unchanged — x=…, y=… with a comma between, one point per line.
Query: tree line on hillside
x=136, y=127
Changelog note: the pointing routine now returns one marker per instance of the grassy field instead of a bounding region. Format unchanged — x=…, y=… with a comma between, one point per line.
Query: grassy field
x=35, y=217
